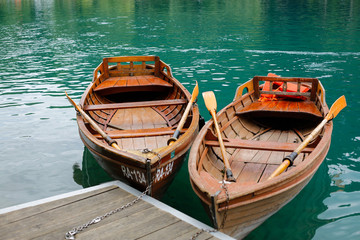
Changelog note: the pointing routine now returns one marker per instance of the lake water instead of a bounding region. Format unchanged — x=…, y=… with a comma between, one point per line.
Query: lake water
x=49, y=47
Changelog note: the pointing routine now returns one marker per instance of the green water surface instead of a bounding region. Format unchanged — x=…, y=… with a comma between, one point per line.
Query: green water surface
x=51, y=46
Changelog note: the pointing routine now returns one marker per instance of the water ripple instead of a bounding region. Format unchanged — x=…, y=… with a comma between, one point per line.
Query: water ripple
x=305, y=53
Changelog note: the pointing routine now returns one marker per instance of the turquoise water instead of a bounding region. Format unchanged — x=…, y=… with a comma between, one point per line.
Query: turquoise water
x=48, y=47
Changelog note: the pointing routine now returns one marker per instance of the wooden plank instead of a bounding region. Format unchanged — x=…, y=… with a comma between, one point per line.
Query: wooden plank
x=251, y=173
x=132, y=81
x=277, y=157
x=178, y=231
x=131, y=58
x=119, y=83
x=127, y=83
x=269, y=169
x=144, y=81
x=70, y=214
x=152, y=132
x=237, y=167
x=263, y=156
x=18, y=215
x=147, y=219
x=132, y=226
x=135, y=104
x=282, y=106
x=258, y=145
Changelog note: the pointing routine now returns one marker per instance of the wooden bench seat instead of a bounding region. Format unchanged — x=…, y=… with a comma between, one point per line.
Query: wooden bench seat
x=111, y=106
x=151, y=132
x=258, y=145
x=114, y=85
x=282, y=108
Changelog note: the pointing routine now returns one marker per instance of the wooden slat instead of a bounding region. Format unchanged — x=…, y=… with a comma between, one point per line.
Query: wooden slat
x=270, y=168
x=18, y=215
x=132, y=58
x=133, y=81
x=143, y=220
x=282, y=106
x=251, y=173
x=140, y=132
x=135, y=104
x=258, y=145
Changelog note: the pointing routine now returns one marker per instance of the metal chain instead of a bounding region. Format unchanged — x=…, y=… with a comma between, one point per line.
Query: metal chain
x=225, y=214
x=227, y=203
x=71, y=234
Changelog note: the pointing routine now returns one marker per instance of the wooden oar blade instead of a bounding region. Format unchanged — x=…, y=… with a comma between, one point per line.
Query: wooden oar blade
x=337, y=106
x=70, y=100
x=210, y=100
x=195, y=92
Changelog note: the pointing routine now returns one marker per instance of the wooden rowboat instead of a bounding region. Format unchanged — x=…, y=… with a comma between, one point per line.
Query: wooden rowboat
x=263, y=124
x=139, y=104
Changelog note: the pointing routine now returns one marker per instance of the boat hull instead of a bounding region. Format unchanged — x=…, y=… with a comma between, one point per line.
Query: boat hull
x=245, y=216
x=138, y=104
x=256, y=142
x=137, y=175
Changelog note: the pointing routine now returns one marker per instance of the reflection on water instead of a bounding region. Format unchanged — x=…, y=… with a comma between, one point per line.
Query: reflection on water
x=90, y=173
x=51, y=46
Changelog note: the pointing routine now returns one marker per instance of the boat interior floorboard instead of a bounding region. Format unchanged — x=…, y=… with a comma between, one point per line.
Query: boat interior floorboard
x=139, y=128
x=253, y=160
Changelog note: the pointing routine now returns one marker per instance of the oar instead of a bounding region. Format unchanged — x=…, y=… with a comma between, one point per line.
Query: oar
x=210, y=102
x=184, y=117
x=337, y=106
x=108, y=139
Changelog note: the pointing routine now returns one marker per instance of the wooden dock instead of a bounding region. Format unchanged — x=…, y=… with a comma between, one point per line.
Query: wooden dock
x=53, y=217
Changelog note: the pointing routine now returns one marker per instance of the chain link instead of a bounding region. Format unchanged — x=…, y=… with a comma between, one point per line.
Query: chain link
x=225, y=214
x=71, y=234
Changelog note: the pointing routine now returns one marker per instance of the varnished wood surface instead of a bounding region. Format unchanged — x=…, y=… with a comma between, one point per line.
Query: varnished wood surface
x=147, y=219
x=300, y=108
x=142, y=104
x=257, y=136
x=114, y=85
x=138, y=103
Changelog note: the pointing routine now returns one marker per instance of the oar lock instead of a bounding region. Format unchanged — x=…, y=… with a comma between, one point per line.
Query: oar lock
x=109, y=140
x=291, y=158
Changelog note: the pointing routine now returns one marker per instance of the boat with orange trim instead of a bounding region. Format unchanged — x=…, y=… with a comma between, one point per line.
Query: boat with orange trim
x=268, y=118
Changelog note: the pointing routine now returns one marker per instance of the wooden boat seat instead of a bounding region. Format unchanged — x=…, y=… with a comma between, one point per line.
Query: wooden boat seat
x=132, y=133
x=144, y=83
x=111, y=106
x=258, y=145
x=282, y=108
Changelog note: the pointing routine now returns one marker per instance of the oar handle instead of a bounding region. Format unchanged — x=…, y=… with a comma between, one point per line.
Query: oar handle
x=181, y=124
x=288, y=161
x=229, y=174
x=176, y=134
x=337, y=106
x=106, y=137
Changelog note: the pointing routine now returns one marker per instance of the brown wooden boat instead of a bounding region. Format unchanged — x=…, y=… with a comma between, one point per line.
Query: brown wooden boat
x=139, y=104
x=263, y=124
